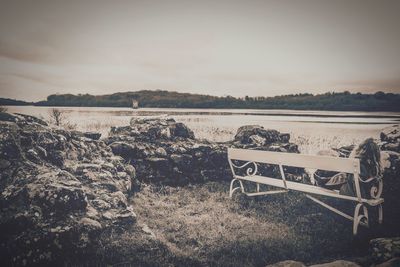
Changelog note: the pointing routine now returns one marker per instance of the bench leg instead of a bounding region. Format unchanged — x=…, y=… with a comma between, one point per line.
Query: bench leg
x=380, y=211
x=360, y=215
x=360, y=218
x=232, y=190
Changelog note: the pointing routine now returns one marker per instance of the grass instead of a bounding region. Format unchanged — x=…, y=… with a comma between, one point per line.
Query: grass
x=200, y=225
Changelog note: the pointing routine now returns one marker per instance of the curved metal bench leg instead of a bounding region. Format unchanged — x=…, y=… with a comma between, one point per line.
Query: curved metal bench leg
x=380, y=212
x=357, y=220
x=232, y=190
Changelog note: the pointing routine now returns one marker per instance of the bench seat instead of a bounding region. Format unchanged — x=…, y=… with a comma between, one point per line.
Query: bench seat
x=253, y=159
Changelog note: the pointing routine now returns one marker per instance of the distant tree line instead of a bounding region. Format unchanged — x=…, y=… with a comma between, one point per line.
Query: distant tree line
x=13, y=102
x=344, y=101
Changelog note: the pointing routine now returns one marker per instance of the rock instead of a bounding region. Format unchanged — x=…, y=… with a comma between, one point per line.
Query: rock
x=344, y=151
x=181, y=130
x=182, y=161
x=257, y=140
x=383, y=249
x=391, y=134
x=56, y=157
x=55, y=186
x=284, y=137
x=4, y=164
x=93, y=224
x=391, y=146
x=287, y=263
x=8, y=117
x=244, y=133
x=148, y=231
x=166, y=133
x=161, y=152
x=390, y=162
x=122, y=149
x=152, y=128
x=338, y=263
x=395, y=262
x=32, y=119
x=92, y=135
x=179, y=159
x=160, y=164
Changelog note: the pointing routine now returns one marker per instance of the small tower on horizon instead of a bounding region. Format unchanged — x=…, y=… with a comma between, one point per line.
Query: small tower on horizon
x=135, y=104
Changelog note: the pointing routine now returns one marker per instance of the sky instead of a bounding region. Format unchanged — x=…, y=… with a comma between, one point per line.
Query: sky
x=225, y=47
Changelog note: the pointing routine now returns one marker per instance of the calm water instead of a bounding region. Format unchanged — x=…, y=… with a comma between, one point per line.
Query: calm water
x=312, y=130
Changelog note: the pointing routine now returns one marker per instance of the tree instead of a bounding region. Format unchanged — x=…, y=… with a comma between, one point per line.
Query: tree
x=56, y=116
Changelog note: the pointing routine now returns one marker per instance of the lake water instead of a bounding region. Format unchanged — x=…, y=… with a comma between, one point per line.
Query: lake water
x=311, y=130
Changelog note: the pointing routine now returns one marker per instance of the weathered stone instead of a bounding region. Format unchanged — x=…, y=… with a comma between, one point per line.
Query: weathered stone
x=92, y=135
x=181, y=130
x=288, y=263
x=52, y=210
x=383, y=249
x=148, y=231
x=4, y=164
x=56, y=157
x=159, y=163
x=93, y=224
x=244, y=133
x=338, y=263
x=390, y=162
x=32, y=119
x=395, y=262
x=180, y=159
x=257, y=140
x=161, y=152
x=284, y=137
x=391, y=134
x=122, y=149
x=8, y=117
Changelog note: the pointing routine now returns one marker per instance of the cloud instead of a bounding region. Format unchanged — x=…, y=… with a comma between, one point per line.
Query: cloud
x=389, y=85
x=213, y=47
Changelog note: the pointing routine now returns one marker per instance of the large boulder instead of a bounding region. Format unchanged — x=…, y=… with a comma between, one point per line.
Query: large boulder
x=92, y=135
x=181, y=130
x=391, y=134
x=58, y=190
x=337, y=263
x=165, y=151
x=245, y=133
x=390, y=162
x=384, y=249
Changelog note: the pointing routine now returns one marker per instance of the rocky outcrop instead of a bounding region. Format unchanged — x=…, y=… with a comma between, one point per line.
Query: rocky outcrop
x=390, y=147
x=384, y=249
x=165, y=151
x=390, y=158
x=338, y=263
x=58, y=190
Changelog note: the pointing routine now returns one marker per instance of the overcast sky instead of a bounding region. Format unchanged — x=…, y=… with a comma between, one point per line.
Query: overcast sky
x=256, y=48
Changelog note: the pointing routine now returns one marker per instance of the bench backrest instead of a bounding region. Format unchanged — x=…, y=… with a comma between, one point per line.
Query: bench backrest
x=347, y=165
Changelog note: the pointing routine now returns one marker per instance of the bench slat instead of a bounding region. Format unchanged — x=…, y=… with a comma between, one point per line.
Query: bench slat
x=348, y=165
x=311, y=189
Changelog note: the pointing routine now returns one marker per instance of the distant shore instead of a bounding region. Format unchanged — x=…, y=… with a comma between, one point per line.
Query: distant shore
x=330, y=101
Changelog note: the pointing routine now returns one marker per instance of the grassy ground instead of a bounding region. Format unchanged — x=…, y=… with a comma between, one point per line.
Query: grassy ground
x=201, y=226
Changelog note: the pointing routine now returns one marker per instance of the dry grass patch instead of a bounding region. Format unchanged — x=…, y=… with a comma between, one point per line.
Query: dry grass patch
x=202, y=226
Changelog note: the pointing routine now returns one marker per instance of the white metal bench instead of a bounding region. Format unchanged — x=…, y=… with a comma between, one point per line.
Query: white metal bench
x=252, y=159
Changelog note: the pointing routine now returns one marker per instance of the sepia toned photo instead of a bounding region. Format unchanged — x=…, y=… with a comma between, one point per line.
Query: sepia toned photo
x=200, y=133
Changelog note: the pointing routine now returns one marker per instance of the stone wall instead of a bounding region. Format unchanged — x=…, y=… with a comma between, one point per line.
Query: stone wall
x=165, y=151
x=58, y=190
